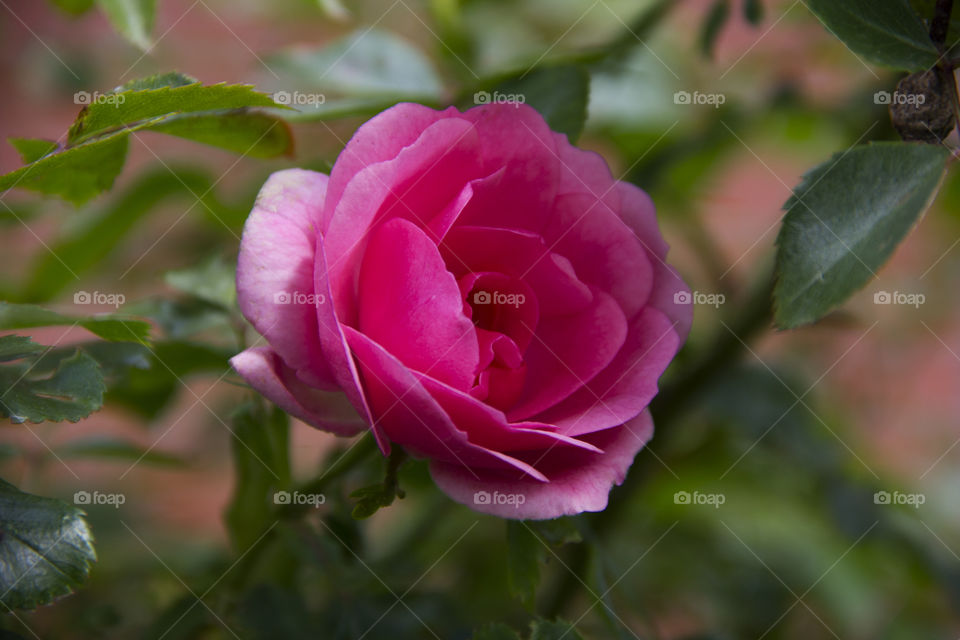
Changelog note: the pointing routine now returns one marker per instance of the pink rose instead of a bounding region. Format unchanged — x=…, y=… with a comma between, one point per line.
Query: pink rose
x=475, y=289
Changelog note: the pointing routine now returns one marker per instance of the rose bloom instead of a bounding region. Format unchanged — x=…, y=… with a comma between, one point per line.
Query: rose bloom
x=475, y=289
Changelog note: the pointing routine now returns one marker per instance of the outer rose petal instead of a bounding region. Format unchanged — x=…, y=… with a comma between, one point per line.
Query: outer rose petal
x=326, y=410
x=638, y=212
x=277, y=255
x=575, y=489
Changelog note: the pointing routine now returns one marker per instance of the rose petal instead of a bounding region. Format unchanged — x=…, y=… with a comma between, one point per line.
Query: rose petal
x=411, y=417
x=638, y=212
x=263, y=369
x=411, y=305
x=277, y=258
x=567, y=352
x=628, y=384
x=583, y=485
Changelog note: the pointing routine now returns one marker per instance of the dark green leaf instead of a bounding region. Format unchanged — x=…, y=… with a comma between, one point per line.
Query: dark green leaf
x=102, y=448
x=132, y=18
x=559, y=93
x=251, y=134
x=555, y=630
x=143, y=108
x=889, y=33
x=16, y=347
x=46, y=549
x=76, y=174
x=108, y=327
x=524, y=552
x=556, y=532
x=71, y=392
x=212, y=281
x=268, y=612
x=366, y=63
x=845, y=219
x=495, y=631
x=32, y=149
x=712, y=25
x=261, y=455
x=753, y=11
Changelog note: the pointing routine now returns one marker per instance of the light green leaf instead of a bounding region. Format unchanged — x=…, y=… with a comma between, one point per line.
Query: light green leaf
x=142, y=108
x=32, y=149
x=132, y=18
x=75, y=174
x=73, y=7
x=559, y=93
x=158, y=81
x=261, y=456
x=845, y=219
x=366, y=63
x=46, y=549
x=212, y=281
x=250, y=134
x=889, y=33
x=72, y=391
x=108, y=327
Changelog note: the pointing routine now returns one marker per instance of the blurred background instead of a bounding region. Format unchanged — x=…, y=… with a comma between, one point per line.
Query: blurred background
x=820, y=471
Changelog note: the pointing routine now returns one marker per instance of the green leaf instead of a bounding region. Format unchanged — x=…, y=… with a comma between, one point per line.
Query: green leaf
x=524, y=552
x=71, y=392
x=143, y=108
x=553, y=630
x=73, y=7
x=889, y=33
x=261, y=456
x=559, y=93
x=46, y=549
x=158, y=81
x=16, y=347
x=76, y=174
x=845, y=219
x=251, y=134
x=32, y=149
x=495, y=631
x=371, y=499
x=87, y=247
x=213, y=280
x=109, y=327
x=712, y=25
x=557, y=532
x=102, y=448
x=366, y=63
x=132, y=18
x=753, y=11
